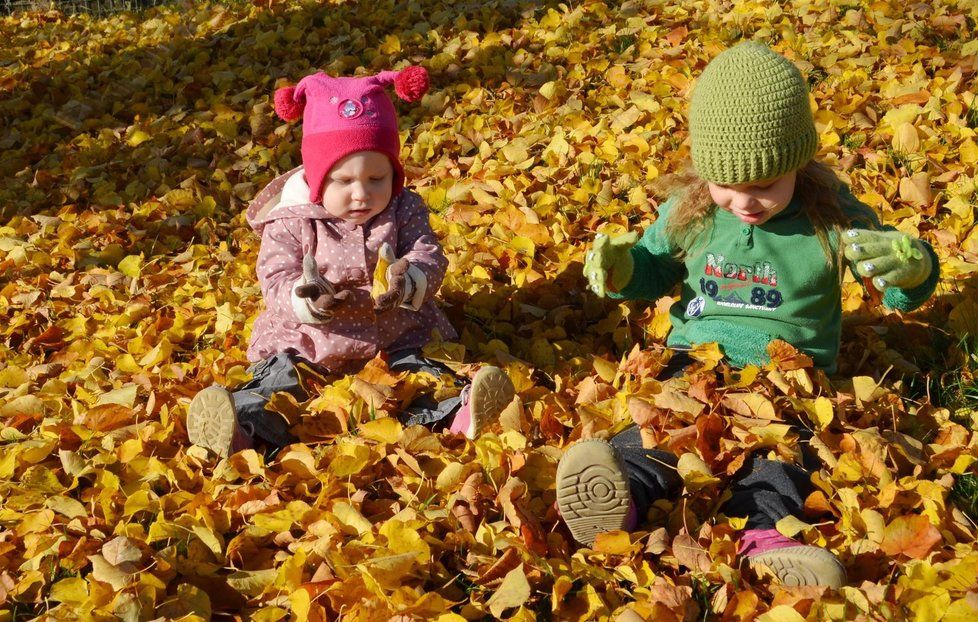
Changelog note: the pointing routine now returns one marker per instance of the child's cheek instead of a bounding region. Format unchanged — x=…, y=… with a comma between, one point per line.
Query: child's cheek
x=718, y=196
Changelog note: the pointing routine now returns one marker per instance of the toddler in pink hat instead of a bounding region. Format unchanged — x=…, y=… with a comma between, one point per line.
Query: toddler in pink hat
x=324, y=226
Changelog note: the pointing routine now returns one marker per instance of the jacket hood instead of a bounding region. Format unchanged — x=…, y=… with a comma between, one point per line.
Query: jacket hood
x=287, y=196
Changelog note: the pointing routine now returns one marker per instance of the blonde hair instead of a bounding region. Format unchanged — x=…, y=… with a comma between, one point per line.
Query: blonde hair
x=817, y=188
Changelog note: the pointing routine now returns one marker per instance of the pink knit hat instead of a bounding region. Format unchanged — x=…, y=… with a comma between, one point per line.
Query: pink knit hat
x=345, y=115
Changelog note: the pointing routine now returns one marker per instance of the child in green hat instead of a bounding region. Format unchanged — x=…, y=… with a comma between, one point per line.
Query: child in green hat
x=758, y=234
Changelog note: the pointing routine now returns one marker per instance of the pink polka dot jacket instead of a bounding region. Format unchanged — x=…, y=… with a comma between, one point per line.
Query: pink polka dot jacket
x=290, y=226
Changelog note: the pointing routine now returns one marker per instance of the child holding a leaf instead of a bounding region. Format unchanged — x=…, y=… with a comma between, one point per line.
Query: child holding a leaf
x=758, y=235
x=348, y=267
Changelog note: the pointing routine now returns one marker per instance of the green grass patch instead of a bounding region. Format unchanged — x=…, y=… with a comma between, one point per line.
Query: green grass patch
x=964, y=493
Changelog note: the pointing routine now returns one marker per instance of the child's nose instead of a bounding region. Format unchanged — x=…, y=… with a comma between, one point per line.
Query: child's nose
x=359, y=191
x=742, y=202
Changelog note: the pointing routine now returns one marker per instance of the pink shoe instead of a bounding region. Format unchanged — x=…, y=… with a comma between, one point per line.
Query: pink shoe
x=213, y=424
x=793, y=563
x=482, y=401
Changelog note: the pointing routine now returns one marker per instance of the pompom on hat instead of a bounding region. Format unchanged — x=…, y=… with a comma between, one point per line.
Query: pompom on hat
x=341, y=116
x=749, y=118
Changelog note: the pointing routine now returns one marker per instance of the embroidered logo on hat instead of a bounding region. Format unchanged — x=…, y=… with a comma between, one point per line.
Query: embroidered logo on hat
x=350, y=109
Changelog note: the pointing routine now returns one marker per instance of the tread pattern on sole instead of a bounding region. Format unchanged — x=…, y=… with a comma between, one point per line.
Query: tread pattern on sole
x=803, y=565
x=629, y=616
x=492, y=391
x=592, y=490
x=211, y=420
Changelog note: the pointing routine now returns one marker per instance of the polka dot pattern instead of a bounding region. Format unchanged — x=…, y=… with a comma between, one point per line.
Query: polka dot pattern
x=346, y=254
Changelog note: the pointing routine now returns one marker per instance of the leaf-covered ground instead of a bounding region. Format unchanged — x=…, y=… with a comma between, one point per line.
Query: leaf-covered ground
x=131, y=144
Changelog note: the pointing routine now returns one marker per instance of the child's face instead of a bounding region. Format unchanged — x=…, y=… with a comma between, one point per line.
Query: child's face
x=359, y=186
x=757, y=202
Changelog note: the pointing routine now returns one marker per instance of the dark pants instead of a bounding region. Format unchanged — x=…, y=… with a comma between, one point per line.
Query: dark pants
x=424, y=410
x=278, y=373
x=765, y=491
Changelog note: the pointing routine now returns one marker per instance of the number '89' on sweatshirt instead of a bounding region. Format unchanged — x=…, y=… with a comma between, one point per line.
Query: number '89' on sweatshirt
x=744, y=285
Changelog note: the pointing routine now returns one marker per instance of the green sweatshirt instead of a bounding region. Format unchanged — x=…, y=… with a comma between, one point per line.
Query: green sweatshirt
x=745, y=285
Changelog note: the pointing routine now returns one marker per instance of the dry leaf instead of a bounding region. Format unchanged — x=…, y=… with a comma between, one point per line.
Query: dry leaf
x=690, y=554
x=132, y=147
x=913, y=536
x=513, y=592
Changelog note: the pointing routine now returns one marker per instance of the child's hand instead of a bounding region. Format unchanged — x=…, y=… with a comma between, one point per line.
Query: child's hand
x=397, y=282
x=609, y=265
x=322, y=295
x=889, y=258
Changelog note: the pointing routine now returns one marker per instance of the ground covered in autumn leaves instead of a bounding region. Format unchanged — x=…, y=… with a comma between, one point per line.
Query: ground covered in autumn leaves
x=130, y=146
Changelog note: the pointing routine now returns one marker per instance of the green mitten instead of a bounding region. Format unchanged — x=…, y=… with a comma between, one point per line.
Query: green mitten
x=608, y=265
x=889, y=258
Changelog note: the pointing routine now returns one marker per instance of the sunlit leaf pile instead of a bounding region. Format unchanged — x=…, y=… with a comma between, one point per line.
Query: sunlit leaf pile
x=129, y=148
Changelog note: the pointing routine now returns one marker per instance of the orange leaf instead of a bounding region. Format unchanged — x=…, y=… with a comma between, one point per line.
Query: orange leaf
x=920, y=97
x=509, y=560
x=676, y=35
x=550, y=426
x=643, y=413
x=786, y=356
x=912, y=536
x=108, y=417
x=525, y=522
x=50, y=339
x=710, y=428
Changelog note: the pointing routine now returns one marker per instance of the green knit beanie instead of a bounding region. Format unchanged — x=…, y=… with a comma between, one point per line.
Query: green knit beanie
x=749, y=118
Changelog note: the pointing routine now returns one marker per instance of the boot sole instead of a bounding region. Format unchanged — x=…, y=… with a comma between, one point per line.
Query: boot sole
x=592, y=490
x=491, y=392
x=211, y=420
x=629, y=616
x=803, y=565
